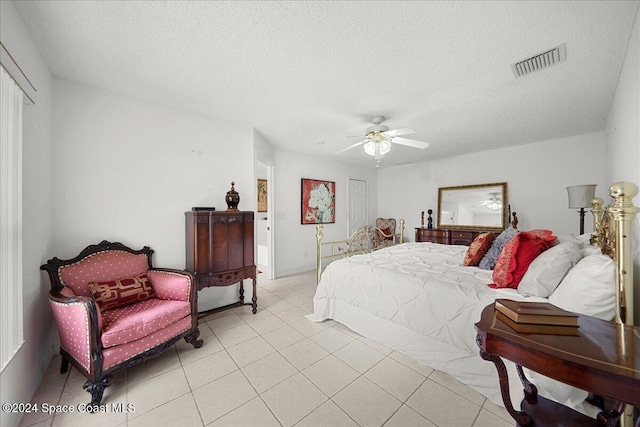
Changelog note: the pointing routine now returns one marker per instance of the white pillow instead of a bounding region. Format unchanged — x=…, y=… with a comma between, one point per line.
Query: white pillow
x=584, y=238
x=569, y=238
x=590, y=250
x=547, y=271
x=589, y=288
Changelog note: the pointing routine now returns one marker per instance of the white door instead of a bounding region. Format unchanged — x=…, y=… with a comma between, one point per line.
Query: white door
x=358, y=203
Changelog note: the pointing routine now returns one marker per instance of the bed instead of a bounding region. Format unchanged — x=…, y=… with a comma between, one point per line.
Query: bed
x=419, y=299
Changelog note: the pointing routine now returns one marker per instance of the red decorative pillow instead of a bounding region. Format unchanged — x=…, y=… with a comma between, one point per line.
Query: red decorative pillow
x=478, y=248
x=121, y=292
x=386, y=233
x=543, y=234
x=516, y=256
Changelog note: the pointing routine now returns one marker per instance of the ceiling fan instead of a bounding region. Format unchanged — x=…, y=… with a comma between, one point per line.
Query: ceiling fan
x=494, y=202
x=378, y=139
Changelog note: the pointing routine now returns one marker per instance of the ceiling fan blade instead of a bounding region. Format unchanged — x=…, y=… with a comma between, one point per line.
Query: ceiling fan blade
x=350, y=147
x=410, y=142
x=398, y=132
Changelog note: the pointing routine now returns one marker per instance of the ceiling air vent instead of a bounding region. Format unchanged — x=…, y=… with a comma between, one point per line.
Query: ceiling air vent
x=543, y=60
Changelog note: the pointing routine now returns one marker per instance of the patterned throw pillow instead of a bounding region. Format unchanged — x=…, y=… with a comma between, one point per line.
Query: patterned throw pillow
x=516, y=256
x=491, y=257
x=121, y=292
x=478, y=248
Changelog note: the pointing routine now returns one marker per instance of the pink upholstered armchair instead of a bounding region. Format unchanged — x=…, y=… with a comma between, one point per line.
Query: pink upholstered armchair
x=387, y=228
x=114, y=310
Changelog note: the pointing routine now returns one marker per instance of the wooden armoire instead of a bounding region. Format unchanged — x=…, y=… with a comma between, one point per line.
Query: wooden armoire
x=220, y=251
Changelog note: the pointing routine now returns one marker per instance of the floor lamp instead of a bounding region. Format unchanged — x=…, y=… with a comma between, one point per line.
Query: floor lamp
x=580, y=197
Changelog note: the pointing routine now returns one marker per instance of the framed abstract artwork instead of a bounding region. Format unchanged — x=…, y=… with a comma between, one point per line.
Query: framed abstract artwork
x=262, y=195
x=318, y=201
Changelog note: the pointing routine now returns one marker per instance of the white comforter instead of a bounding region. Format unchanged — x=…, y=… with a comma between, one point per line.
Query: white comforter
x=418, y=298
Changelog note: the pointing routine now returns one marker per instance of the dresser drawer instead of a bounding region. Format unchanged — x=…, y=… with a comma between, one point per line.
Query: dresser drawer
x=432, y=235
x=462, y=237
x=441, y=240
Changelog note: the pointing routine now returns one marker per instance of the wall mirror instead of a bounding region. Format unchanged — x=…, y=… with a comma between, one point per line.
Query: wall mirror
x=481, y=207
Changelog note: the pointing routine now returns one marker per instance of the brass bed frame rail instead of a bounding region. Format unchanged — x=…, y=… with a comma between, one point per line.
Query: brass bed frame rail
x=364, y=240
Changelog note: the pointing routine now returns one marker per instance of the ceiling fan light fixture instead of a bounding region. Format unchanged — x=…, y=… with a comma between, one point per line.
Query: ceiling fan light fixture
x=378, y=139
x=378, y=147
x=494, y=205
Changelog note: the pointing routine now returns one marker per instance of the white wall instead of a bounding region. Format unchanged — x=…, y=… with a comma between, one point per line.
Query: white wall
x=127, y=170
x=295, y=244
x=537, y=176
x=622, y=136
x=21, y=377
x=622, y=133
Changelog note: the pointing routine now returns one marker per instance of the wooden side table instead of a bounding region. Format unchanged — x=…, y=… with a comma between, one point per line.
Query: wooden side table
x=603, y=359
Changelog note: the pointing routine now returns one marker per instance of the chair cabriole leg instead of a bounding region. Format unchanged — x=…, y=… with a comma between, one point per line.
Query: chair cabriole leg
x=97, y=389
x=192, y=339
x=64, y=365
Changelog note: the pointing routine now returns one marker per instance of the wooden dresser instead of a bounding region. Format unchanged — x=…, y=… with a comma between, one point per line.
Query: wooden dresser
x=447, y=236
x=219, y=248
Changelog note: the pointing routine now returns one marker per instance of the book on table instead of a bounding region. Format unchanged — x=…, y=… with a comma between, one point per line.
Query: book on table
x=542, y=313
x=537, y=328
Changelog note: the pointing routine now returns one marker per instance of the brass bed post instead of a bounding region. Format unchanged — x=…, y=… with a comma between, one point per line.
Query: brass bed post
x=402, y=231
x=319, y=236
x=622, y=212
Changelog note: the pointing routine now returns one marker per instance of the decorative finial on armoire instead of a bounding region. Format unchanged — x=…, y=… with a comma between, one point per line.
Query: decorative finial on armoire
x=233, y=198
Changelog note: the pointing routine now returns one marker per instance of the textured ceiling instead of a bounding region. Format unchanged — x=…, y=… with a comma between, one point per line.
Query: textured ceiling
x=308, y=74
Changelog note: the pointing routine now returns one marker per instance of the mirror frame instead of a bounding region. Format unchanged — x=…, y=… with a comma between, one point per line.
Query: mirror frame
x=505, y=207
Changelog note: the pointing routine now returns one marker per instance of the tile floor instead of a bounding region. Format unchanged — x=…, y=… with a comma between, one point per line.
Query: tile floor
x=274, y=368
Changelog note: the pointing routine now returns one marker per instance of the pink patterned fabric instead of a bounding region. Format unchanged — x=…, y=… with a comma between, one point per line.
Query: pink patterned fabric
x=386, y=233
x=115, y=355
x=170, y=285
x=101, y=267
x=73, y=326
x=383, y=223
x=118, y=293
x=136, y=321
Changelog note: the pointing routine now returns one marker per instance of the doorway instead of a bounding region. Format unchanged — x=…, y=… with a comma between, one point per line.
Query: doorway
x=358, y=205
x=264, y=221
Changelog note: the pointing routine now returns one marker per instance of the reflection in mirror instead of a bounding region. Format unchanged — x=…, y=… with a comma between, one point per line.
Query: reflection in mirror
x=482, y=206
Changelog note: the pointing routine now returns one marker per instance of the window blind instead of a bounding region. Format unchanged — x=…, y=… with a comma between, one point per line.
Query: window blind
x=11, y=312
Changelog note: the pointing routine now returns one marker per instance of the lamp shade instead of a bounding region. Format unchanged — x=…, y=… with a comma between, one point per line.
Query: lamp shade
x=580, y=196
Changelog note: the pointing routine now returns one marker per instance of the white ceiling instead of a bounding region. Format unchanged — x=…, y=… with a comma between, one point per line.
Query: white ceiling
x=307, y=74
